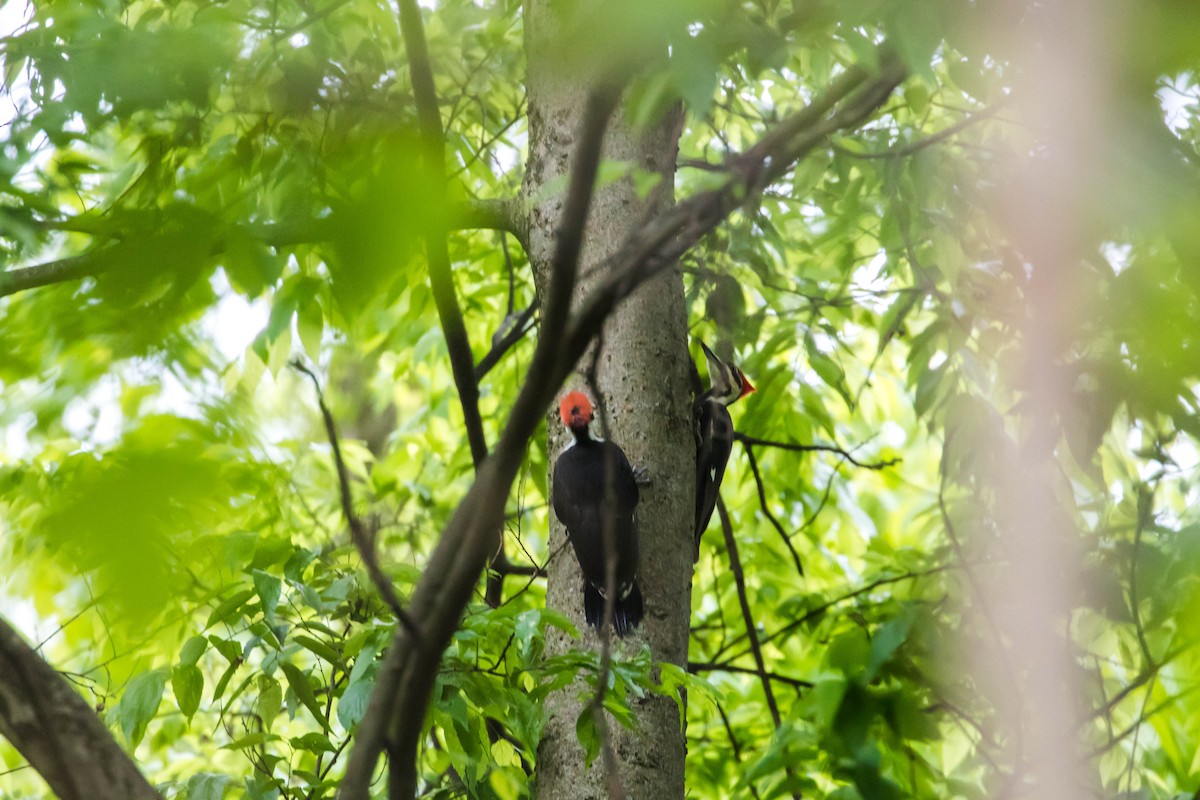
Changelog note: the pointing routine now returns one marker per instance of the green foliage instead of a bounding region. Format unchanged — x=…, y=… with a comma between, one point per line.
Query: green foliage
x=241, y=185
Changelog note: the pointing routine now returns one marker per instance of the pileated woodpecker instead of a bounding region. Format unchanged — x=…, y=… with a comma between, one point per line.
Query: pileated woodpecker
x=729, y=384
x=595, y=493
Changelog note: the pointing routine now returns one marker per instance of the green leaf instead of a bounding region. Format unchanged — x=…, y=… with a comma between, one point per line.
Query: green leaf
x=886, y=640
x=313, y=743
x=318, y=648
x=270, y=700
x=352, y=705
x=300, y=686
x=140, y=703
x=256, y=739
x=187, y=683
x=268, y=588
x=223, y=681
x=226, y=610
x=828, y=369
x=587, y=734
x=192, y=649
x=207, y=786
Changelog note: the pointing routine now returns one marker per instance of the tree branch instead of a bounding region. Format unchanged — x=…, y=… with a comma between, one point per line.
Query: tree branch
x=934, y=138
x=51, y=272
x=364, y=540
x=766, y=509
x=462, y=363
x=814, y=448
x=397, y=708
x=406, y=678
x=58, y=732
x=697, y=667
x=739, y=579
x=477, y=214
x=516, y=331
x=471, y=214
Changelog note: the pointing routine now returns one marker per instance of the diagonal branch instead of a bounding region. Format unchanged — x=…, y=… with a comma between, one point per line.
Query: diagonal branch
x=739, y=578
x=462, y=363
x=749, y=441
x=697, y=667
x=471, y=214
x=58, y=732
x=398, y=704
x=396, y=712
x=364, y=540
x=766, y=509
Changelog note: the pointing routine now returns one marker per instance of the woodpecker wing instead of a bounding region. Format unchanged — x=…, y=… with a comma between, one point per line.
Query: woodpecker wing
x=594, y=486
x=712, y=455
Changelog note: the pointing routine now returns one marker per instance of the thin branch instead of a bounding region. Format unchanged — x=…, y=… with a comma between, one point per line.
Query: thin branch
x=817, y=611
x=766, y=509
x=934, y=138
x=814, y=448
x=733, y=742
x=739, y=578
x=514, y=333
x=616, y=787
x=51, y=272
x=364, y=540
x=708, y=666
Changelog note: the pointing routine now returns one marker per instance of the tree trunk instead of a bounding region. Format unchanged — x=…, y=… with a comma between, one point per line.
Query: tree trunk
x=642, y=377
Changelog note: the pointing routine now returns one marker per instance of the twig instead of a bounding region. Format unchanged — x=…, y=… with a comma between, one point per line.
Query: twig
x=708, y=666
x=814, y=448
x=520, y=326
x=616, y=788
x=364, y=540
x=762, y=502
x=933, y=138
x=739, y=578
x=733, y=742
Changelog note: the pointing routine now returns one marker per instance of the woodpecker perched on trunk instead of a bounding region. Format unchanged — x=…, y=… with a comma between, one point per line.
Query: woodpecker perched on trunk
x=728, y=385
x=595, y=493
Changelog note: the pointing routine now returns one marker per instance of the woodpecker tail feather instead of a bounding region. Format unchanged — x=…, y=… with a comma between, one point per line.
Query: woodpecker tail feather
x=627, y=610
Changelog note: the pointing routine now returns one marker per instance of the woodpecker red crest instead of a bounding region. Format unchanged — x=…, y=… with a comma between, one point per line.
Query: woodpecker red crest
x=575, y=410
x=594, y=496
x=715, y=434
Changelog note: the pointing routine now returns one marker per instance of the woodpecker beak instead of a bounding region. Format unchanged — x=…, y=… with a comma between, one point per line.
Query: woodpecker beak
x=747, y=387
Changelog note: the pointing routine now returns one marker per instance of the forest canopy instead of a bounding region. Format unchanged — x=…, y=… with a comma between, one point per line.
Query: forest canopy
x=288, y=292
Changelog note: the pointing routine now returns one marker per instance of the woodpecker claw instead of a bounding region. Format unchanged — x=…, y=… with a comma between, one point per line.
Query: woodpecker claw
x=642, y=476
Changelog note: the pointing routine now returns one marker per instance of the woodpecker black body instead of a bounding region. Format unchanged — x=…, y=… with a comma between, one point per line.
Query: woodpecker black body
x=715, y=431
x=595, y=493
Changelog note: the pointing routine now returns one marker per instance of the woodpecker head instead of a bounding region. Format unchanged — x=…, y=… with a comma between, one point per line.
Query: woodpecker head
x=729, y=384
x=576, y=412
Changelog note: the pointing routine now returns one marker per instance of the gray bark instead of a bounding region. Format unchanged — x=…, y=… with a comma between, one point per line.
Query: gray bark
x=642, y=377
x=58, y=733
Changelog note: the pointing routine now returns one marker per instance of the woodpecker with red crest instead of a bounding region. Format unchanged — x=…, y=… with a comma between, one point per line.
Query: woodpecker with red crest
x=595, y=494
x=728, y=385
